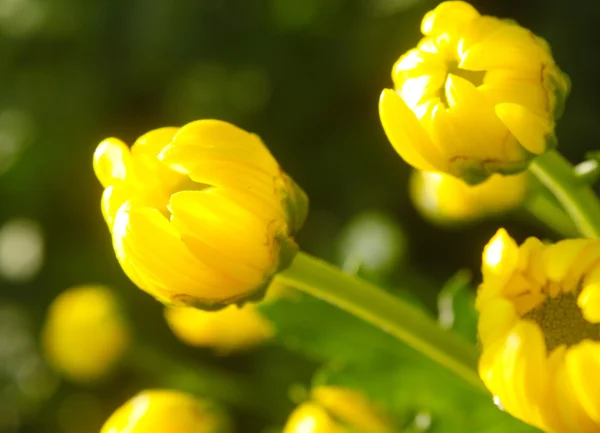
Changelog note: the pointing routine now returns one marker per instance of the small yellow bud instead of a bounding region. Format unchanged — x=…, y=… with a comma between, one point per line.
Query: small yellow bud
x=335, y=409
x=227, y=330
x=84, y=335
x=444, y=199
x=165, y=411
x=478, y=95
x=200, y=215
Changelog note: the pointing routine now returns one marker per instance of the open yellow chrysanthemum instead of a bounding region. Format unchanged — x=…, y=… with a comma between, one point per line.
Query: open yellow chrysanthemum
x=200, y=215
x=479, y=95
x=335, y=409
x=539, y=328
x=444, y=199
x=166, y=411
x=84, y=334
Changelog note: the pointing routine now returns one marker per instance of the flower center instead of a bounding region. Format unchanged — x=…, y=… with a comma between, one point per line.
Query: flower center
x=474, y=77
x=562, y=322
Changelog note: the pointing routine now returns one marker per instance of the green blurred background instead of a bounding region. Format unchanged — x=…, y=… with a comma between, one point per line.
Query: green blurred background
x=304, y=74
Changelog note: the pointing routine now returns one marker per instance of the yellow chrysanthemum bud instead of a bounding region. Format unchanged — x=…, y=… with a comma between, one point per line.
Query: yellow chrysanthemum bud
x=200, y=215
x=539, y=328
x=230, y=329
x=166, y=411
x=335, y=409
x=227, y=330
x=85, y=335
x=478, y=95
x=444, y=199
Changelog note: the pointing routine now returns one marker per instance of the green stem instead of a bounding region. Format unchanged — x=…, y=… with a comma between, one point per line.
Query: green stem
x=545, y=209
x=385, y=311
x=577, y=198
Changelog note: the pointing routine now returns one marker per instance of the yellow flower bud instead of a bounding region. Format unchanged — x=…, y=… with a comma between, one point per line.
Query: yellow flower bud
x=84, y=335
x=227, y=330
x=200, y=215
x=166, y=411
x=478, y=95
x=312, y=418
x=335, y=409
x=539, y=328
x=443, y=199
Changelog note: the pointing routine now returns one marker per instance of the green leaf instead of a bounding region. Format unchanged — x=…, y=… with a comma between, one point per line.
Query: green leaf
x=408, y=386
x=456, y=306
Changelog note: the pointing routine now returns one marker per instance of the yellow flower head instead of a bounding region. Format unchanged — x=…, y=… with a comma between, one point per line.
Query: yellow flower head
x=227, y=330
x=443, y=199
x=539, y=328
x=166, y=411
x=200, y=215
x=478, y=95
x=84, y=335
x=335, y=409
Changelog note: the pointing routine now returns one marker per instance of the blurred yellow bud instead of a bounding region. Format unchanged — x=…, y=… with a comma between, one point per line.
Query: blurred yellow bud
x=312, y=418
x=478, y=95
x=166, y=411
x=335, y=409
x=200, y=215
x=227, y=330
x=444, y=199
x=85, y=335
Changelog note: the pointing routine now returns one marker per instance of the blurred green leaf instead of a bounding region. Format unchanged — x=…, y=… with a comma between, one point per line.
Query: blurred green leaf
x=456, y=306
x=396, y=377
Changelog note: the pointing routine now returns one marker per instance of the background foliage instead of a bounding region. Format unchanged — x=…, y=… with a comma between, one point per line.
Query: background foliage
x=306, y=76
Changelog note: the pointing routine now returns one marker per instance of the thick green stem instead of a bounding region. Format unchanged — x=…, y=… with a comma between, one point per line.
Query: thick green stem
x=575, y=195
x=388, y=312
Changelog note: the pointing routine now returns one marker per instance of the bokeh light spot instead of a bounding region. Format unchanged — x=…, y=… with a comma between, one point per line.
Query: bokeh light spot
x=21, y=250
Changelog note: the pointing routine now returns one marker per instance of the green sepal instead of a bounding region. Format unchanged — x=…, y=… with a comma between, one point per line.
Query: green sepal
x=295, y=204
x=473, y=171
x=558, y=86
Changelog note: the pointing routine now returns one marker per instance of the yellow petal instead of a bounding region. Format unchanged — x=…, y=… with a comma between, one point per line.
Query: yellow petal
x=237, y=175
x=449, y=17
x=113, y=198
x=528, y=94
x=582, y=364
x=519, y=376
x=145, y=240
x=535, y=133
x=531, y=260
x=589, y=298
x=496, y=318
x=111, y=161
x=490, y=140
x=508, y=47
x=560, y=257
x=500, y=256
x=216, y=140
x=476, y=31
x=416, y=90
x=153, y=142
x=406, y=134
x=582, y=266
x=569, y=405
x=416, y=63
x=224, y=232
x=549, y=406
